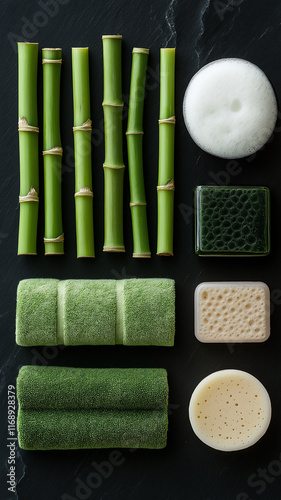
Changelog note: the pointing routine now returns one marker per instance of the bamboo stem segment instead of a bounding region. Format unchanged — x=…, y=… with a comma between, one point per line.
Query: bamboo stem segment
x=113, y=164
x=134, y=135
x=82, y=147
x=52, y=151
x=166, y=186
x=28, y=147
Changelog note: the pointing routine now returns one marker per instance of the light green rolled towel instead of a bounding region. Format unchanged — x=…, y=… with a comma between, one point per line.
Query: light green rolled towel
x=148, y=312
x=71, y=408
x=97, y=312
x=86, y=312
x=36, y=319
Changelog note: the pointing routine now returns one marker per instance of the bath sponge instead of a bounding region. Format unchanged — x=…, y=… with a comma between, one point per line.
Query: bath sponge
x=96, y=312
x=87, y=312
x=71, y=408
x=36, y=319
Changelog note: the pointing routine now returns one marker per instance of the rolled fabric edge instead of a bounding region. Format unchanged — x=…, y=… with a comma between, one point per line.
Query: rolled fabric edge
x=26, y=338
x=60, y=313
x=143, y=429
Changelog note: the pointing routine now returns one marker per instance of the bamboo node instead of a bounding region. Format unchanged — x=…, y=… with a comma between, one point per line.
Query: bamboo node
x=112, y=105
x=86, y=191
x=85, y=127
x=111, y=36
x=165, y=254
x=58, y=239
x=24, y=127
x=137, y=50
x=113, y=249
x=170, y=186
x=137, y=204
x=113, y=167
x=51, y=61
x=135, y=133
x=144, y=255
x=54, y=151
x=171, y=120
x=31, y=196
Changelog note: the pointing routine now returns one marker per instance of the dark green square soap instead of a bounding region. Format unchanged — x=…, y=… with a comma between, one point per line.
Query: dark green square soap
x=232, y=221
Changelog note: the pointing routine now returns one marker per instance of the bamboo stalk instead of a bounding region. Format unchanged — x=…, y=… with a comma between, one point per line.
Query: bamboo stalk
x=52, y=151
x=166, y=186
x=28, y=147
x=113, y=163
x=82, y=147
x=134, y=135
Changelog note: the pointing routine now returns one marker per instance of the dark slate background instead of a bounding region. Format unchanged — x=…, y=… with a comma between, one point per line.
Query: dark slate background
x=202, y=31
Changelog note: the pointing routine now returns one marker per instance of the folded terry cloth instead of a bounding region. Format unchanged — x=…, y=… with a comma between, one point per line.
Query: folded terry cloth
x=96, y=312
x=71, y=408
x=149, y=312
x=37, y=312
x=86, y=312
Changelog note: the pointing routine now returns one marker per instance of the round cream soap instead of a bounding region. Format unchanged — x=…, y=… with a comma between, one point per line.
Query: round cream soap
x=230, y=108
x=230, y=410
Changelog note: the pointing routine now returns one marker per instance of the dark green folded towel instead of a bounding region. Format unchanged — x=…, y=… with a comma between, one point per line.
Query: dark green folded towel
x=96, y=312
x=69, y=408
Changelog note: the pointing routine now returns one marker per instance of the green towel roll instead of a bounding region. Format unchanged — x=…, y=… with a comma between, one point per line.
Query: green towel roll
x=96, y=312
x=71, y=408
x=99, y=388
x=36, y=319
x=87, y=312
x=149, y=312
x=70, y=430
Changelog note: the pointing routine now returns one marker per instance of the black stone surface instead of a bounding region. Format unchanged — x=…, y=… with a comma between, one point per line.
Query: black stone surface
x=202, y=31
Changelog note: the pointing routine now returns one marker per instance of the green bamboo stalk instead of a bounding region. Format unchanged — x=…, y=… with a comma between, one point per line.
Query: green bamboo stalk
x=113, y=163
x=52, y=151
x=166, y=186
x=82, y=147
x=135, y=157
x=28, y=147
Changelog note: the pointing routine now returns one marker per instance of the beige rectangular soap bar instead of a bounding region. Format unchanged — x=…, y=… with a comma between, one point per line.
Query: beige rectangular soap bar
x=234, y=311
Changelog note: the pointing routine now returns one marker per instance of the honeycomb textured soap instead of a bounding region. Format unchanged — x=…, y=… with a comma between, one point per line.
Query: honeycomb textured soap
x=232, y=221
x=230, y=410
x=232, y=311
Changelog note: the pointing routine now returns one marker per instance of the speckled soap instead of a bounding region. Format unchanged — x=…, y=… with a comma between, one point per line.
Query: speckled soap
x=232, y=311
x=232, y=221
x=230, y=410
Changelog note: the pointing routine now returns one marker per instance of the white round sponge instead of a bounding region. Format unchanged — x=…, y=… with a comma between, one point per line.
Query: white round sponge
x=230, y=410
x=230, y=108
